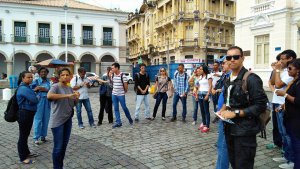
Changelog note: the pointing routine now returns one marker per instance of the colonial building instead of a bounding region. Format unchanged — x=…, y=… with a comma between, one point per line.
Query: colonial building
x=34, y=30
x=164, y=31
x=264, y=28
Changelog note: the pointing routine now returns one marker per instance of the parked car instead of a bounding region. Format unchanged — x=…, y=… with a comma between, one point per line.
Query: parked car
x=128, y=76
x=91, y=76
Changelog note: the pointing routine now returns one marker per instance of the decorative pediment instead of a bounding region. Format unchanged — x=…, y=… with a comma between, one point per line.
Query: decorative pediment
x=261, y=21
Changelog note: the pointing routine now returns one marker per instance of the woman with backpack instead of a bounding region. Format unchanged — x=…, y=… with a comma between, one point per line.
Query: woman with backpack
x=163, y=84
x=63, y=100
x=203, y=87
x=27, y=102
x=105, y=92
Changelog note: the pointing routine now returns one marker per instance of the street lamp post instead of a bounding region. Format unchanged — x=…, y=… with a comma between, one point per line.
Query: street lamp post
x=168, y=55
x=66, y=32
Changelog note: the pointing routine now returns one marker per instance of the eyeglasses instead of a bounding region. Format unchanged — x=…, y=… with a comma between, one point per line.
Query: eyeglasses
x=235, y=57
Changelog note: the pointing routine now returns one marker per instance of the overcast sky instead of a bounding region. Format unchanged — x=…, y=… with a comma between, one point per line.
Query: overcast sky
x=124, y=5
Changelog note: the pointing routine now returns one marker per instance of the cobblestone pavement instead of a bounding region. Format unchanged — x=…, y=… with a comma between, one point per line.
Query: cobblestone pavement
x=147, y=144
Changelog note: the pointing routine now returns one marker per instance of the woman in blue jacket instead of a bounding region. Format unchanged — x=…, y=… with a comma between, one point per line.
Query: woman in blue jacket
x=27, y=102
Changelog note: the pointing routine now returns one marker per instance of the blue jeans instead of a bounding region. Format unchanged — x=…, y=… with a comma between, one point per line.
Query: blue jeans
x=195, y=108
x=139, y=100
x=277, y=140
x=61, y=136
x=204, y=107
x=215, y=99
x=164, y=98
x=286, y=140
x=41, y=119
x=175, y=101
x=295, y=145
x=116, y=99
x=87, y=105
x=223, y=159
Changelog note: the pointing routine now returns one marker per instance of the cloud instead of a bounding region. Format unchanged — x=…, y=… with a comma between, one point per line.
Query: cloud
x=124, y=5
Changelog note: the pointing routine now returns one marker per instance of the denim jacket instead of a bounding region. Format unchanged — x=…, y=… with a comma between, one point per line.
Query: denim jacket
x=26, y=98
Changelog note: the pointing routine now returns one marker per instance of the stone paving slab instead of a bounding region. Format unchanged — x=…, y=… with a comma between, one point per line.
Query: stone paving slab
x=147, y=144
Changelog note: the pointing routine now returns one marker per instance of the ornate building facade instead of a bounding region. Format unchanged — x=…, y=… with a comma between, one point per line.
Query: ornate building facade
x=33, y=30
x=264, y=28
x=174, y=31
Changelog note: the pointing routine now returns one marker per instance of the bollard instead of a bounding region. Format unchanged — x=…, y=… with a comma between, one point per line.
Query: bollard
x=6, y=94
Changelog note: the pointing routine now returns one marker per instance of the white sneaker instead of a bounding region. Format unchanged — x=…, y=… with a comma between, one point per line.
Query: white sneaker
x=194, y=123
x=280, y=159
x=287, y=165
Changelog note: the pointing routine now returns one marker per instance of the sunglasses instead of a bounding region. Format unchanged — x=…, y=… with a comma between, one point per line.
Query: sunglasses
x=235, y=57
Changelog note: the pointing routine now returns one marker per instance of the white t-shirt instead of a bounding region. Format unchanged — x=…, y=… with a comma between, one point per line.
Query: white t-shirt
x=83, y=90
x=202, y=83
x=285, y=78
x=215, y=78
x=118, y=86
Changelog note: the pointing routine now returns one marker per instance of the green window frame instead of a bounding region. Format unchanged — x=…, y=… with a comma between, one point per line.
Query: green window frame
x=20, y=32
x=87, y=35
x=69, y=35
x=44, y=33
x=107, y=36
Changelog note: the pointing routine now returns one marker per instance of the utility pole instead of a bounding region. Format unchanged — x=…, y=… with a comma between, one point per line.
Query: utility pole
x=206, y=47
x=66, y=32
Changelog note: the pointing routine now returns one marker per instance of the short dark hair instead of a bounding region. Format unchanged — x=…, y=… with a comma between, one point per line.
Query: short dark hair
x=116, y=65
x=81, y=70
x=181, y=64
x=217, y=63
x=4, y=75
x=43, y=68
x=289, y=53
x=238, y=48
x=278, y=57
x=63, y=69
x=205, y=69
x=142, y=64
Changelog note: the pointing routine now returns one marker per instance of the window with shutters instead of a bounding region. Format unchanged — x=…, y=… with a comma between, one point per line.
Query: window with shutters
x=20, y=32
x=69, y=34
x=87, y=35
x=43, y=33
x=107, y=37
x=261, y=51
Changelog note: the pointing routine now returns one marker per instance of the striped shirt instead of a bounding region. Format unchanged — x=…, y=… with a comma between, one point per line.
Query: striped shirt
x=118, y=87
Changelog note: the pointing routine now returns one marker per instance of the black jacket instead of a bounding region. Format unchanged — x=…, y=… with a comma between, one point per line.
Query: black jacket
x=253, y=107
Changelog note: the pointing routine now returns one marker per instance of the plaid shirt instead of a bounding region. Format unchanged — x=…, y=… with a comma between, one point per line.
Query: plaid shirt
x=180, y=85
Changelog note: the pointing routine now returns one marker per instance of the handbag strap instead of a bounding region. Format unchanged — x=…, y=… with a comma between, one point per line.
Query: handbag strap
x=163, y=86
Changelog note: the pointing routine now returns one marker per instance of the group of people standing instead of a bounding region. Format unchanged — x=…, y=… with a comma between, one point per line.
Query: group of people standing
x=238, y=107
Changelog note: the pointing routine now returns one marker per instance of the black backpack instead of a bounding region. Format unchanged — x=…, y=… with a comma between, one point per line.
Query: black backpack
x=11, y=113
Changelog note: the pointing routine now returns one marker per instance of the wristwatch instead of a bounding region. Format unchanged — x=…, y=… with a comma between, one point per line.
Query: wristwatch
x=277, y=71
x=237, y=113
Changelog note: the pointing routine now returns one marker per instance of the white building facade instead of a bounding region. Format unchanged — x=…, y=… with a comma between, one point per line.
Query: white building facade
x=263, y=29
x=33, y=31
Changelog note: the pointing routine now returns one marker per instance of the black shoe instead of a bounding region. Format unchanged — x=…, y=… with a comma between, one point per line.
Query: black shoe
x=183, y=120
x=148, y=118
x=99, y=124
x=173, y=119
x=136, y=120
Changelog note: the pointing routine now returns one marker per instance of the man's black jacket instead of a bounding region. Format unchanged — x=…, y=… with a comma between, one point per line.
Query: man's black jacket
x=257, y=103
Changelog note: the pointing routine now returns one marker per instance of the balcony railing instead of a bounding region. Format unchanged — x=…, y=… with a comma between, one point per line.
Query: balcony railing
x=2, y=38
x=189, y=43
x=43, y=40
x=20, y=38
x=88, y=41
x=70, y=40
x=108, y=42
x=262, y=7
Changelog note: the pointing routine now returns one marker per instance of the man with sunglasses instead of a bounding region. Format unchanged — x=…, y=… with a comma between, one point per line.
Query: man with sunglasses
x=280, y=78
x=243, y=108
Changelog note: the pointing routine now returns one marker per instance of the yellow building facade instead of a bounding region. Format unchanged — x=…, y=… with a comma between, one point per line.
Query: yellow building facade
x=174, y=31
